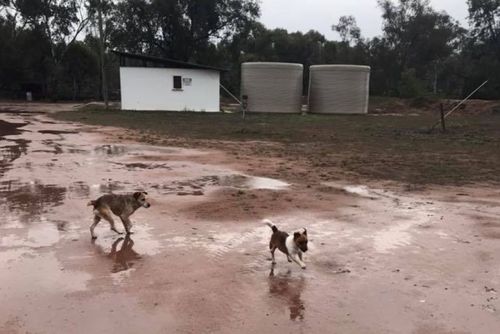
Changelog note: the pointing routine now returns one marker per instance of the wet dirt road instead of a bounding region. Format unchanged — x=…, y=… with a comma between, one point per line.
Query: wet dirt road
x=380, y=261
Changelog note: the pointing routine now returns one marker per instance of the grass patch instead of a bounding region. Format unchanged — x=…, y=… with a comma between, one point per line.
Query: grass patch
x=382, y=147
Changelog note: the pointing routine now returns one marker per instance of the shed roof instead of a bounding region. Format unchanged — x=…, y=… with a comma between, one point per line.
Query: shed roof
x=143, y=60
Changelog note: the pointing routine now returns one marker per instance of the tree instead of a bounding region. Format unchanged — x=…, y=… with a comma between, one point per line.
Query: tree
x=419, y=36
x=97, y=10
x=80, y=71
x=60, y=21
x=481, y=52
x=181, y=29
x=484, y=16
x=347, y=29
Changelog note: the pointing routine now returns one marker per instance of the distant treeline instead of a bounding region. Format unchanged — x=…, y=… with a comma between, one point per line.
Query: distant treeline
x=52, y=47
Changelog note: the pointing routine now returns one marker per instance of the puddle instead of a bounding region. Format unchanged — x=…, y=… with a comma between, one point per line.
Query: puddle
x=111, y=150
x=79, y=190
x=288, y=291
x=123, y=254
x=139, y=151
x=36, y=274
x=358, y=190
x=362, y=191
x=126, y=251
x=119, y=277
x=393, y=237
x=266, y=183
x=57, y=132
x=105, y=188
x=139, y=166
x=10, y=152
x=9, y=129
x=239, y=181
x=44, y=234
x=220, y=243
x=21, y=112
x=251, y=182
x=31, y=199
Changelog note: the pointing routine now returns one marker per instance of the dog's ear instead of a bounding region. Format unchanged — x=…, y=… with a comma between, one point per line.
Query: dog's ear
x=296, y=235
x=305, y=231
x=145, y=193
x=137, y=195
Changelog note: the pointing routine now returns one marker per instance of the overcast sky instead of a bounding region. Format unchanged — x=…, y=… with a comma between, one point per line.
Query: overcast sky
x=304, y=15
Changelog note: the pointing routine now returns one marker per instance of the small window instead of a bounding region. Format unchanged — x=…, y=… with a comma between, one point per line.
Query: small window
x=177, y=82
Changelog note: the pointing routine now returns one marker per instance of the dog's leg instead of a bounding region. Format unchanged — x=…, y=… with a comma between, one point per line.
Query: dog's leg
x=297, y=260
x=97, y=219
x=105, y=214
x=271, y=274
x=272, y=254
x=288, y=258
x=127, y=224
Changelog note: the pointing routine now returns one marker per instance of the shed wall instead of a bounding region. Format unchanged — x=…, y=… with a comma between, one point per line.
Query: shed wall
x=152, y=89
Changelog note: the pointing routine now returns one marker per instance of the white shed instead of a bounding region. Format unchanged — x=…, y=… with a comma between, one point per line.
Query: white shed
x=152, y=83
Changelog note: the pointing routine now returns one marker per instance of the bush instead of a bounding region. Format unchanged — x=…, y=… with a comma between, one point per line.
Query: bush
x=410, y=86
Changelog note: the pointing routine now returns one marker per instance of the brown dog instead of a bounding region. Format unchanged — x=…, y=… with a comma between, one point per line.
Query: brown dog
x=122, y=206
x=291, y=245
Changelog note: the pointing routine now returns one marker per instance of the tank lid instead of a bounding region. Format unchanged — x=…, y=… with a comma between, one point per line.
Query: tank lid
x=271, y=65
x=347, y=68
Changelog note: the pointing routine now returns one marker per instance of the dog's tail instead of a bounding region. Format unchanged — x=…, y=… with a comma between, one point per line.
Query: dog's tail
x=271, y=225
x=92, y=203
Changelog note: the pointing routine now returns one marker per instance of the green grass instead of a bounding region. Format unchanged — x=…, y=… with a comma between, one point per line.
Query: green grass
x=381, y=147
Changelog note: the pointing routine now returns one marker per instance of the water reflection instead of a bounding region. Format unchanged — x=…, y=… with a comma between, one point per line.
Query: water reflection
x=31, y=200
x=10, y=149
x=79, y=189
x=11, y=152
x=56, y=132
x=111, y=186
x=288, y=289
x=111, y=150
x=8, y=128
x=122, y=254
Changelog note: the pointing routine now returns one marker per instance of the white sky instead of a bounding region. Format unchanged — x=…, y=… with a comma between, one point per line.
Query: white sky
x=304, y=15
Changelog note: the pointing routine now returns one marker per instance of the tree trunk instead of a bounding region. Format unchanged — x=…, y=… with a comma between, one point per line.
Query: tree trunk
x=101, y=55
x=435, y=80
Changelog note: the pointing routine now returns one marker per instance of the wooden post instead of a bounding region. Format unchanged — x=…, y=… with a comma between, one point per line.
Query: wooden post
x=443, y=125
x=244, y=105
x=458, y=105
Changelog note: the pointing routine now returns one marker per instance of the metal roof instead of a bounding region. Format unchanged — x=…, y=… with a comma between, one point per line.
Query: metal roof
x=166, y=62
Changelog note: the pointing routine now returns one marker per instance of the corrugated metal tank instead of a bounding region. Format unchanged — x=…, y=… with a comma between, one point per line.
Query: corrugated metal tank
x=339, y=89
x=272, y=87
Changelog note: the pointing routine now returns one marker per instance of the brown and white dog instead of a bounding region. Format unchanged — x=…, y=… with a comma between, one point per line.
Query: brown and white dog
x=293, y=246
x=122, y=206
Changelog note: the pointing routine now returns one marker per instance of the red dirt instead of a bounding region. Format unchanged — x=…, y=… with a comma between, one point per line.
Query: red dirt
x=381, y=259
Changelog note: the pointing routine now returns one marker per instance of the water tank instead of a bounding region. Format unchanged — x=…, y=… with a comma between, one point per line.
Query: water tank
x=272, y=87
x=339, y=89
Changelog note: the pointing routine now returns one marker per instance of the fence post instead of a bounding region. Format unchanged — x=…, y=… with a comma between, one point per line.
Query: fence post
x=443, y=125
x=244, y=104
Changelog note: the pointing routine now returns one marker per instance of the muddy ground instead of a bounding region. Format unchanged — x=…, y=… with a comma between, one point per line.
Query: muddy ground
x=383, y=258
x=321, y=148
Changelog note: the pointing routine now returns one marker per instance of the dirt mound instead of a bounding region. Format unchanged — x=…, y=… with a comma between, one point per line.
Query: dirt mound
x=389, y=105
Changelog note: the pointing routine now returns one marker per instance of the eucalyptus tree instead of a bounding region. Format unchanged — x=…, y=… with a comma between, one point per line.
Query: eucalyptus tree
x=420, y=38
x=60, y=22
x=181, y=29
